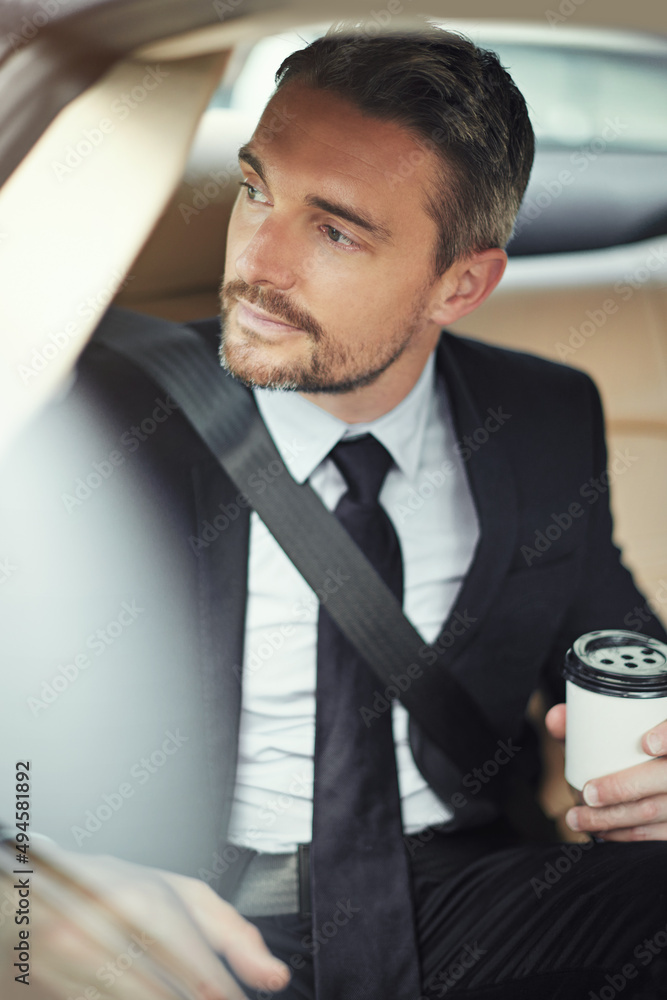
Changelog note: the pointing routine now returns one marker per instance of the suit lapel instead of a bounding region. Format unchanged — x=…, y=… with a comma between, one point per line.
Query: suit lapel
x=221, y=553
x=493, y=491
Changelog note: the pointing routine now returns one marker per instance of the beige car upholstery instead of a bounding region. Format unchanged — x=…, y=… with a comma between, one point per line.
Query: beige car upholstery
x=626, y=354
x=178, y=273
x=76, y=212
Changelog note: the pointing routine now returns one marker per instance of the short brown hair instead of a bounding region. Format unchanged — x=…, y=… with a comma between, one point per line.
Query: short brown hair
x=457, y=100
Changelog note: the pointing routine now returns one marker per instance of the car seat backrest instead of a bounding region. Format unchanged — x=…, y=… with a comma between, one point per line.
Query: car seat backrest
x=618, y=334
x=178, y=273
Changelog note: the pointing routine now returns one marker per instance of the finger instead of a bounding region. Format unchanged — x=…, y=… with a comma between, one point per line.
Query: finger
x=230, y=934
x=654, y=741
x=554, y=720
x=83, y=943
x=629, y=785
x=244, y=948
x=213, y=983
x=66, y=957
x=657, y=831
x=65, y=982
x=173, y=960
x=69, y=960
x=105, y=909
x=181, y=955
x=652, y=810
x=176, y=947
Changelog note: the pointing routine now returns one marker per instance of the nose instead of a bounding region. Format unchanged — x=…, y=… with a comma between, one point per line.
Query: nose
x=268, y=257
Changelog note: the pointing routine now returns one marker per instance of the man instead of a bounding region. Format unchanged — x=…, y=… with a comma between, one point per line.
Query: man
x=374, y=214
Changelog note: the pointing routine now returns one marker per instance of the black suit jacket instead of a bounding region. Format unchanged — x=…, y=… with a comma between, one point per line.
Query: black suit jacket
x=545, y=571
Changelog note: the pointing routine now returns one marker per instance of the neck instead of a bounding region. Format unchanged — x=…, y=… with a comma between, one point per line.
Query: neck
x=372, y=401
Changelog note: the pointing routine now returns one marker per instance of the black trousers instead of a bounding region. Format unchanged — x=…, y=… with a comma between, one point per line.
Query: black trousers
x=557, y=922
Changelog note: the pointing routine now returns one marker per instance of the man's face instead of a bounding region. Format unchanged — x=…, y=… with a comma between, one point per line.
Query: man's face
x=332, y=240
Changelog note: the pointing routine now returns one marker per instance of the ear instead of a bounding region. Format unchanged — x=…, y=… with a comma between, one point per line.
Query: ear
x=467, y=284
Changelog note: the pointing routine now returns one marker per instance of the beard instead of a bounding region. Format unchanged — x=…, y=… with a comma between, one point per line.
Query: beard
x=328, y=366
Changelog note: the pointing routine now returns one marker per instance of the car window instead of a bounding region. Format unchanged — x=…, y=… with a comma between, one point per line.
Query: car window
x=576, y=95
x=250, y=80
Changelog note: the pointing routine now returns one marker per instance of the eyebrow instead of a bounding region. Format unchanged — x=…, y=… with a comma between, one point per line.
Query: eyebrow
x=365, y=222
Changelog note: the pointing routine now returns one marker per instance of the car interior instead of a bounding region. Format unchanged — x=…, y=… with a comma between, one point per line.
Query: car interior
x=160, y=249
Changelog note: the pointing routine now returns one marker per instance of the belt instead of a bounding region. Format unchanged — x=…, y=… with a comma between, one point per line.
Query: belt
x=272, y=884
x=268, y=885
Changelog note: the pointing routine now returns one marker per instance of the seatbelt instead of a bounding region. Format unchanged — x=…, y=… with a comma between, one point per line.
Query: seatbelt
x=224, y=414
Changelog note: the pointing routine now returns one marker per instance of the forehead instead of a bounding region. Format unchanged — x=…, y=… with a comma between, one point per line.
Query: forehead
x=308, y=136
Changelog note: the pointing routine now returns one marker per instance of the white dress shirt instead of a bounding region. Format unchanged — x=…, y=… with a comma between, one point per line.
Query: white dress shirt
x=427, y=497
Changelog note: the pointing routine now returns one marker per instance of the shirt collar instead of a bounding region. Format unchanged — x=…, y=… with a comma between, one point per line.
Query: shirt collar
x=305, y=433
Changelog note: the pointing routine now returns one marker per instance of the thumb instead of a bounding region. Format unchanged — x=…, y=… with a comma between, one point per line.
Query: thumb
x=554, y=720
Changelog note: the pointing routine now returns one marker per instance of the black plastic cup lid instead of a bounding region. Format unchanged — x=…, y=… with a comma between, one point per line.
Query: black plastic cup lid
x=615, y=662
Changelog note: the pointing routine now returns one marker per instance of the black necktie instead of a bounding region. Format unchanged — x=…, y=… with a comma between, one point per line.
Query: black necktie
x=364, y=938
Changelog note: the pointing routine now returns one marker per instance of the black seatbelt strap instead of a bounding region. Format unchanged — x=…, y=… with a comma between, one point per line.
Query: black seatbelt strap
x=224, y=414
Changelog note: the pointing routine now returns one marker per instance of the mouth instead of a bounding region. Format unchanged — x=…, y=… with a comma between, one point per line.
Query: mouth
x=260, y=321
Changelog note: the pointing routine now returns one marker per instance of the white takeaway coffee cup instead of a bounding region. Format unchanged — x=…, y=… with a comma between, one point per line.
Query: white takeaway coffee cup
x=616, y=690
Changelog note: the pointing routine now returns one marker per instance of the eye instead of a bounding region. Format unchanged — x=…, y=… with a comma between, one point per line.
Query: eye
x=340, y=239
x=254, y=194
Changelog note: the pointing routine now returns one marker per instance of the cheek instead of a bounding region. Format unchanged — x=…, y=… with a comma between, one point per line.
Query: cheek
x=234, y=245
x=356, y=314
x=369, y=301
